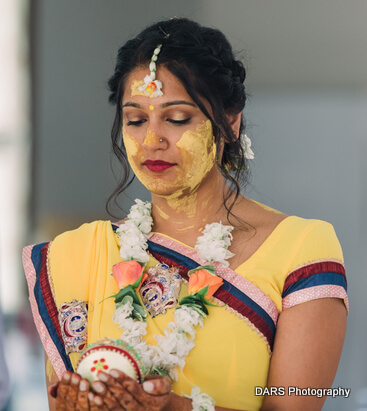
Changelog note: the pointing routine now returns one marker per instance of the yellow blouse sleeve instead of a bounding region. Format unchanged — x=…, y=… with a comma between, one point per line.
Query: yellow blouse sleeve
x=317, y=267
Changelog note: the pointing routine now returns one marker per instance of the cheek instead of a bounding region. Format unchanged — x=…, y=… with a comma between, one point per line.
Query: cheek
x=132, y=147
x=135, y=154
x=198, y=151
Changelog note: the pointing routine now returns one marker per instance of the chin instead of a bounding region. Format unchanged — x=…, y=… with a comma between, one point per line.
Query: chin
x=160, y=185
x=164, y=190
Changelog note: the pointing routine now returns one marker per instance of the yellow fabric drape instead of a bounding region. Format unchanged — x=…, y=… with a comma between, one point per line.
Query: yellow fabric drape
x=230, y=357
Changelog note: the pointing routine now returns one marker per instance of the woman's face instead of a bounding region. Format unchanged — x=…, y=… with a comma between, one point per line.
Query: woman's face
x=168, y=140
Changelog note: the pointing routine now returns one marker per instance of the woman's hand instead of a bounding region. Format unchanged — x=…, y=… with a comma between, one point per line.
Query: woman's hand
x=117, y=391
x=71, y=393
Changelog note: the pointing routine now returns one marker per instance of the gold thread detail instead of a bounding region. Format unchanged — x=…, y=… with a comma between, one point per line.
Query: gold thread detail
x=50, y=281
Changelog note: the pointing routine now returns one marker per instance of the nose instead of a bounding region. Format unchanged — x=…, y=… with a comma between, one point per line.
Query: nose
x=153, y=141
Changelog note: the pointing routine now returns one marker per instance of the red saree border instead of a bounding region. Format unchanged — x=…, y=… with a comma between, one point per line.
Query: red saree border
x=243, y=307
x=255, y=293
x=314, y=267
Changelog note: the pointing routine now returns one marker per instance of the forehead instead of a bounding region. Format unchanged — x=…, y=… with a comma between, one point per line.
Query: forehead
x=172, y=87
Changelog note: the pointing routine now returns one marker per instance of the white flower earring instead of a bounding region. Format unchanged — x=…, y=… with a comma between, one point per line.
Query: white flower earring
x=246, y=147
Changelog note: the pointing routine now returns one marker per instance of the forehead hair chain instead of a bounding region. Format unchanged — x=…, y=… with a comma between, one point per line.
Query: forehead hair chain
x=151, y=86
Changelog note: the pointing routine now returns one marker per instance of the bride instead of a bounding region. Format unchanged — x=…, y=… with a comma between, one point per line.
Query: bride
x=278, y=313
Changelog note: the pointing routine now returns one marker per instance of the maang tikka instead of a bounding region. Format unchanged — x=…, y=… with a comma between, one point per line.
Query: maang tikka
x=152, y=87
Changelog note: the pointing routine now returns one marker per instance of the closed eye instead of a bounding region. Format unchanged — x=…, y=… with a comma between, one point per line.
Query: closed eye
x=179, y=122
x=136, y=123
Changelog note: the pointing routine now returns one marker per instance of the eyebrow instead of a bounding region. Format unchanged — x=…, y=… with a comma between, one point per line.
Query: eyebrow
x=177, y=103
x=164, y=105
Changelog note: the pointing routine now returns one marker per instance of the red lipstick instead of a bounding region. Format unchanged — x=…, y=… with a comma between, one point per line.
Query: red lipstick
x=157, y=165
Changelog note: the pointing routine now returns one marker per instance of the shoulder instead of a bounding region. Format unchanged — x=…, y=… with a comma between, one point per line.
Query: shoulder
x=70, y=245
x=301, y=258
x=313, y=264
x=84, y=236
x=316, y=265
x=82, y=241
x=301, y=239
x=313, y=240
x=67, y=247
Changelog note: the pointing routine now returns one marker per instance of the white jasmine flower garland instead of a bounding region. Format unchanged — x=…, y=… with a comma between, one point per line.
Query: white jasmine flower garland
x=152, y=87
x=140, y=215
x=178, y=340
x=135, y=231
x=201, y=402
x=213, y=244
x=172, y=348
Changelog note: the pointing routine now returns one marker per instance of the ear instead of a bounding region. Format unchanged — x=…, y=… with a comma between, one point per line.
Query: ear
x=235, y=122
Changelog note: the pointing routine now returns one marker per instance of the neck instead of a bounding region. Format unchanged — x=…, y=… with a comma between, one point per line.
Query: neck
x=184, y=216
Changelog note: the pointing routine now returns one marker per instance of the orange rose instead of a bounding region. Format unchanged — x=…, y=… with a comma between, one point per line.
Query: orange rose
x=201, y=279
x=128, y=273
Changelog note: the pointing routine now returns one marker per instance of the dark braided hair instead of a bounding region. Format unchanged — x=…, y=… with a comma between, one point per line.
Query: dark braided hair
x=203, y=60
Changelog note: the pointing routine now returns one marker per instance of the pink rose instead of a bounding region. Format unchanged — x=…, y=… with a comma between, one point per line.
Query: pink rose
x=128, y=273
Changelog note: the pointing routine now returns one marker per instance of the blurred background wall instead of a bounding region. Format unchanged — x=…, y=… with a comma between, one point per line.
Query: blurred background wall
x=306, y=116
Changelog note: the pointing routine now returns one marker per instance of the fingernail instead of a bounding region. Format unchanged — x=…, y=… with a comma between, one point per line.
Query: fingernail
x=66, y=376
x=90, y=396
x=148, y=386
x=102, y=377
x=99, y=387
x=75, y=379
x=83, y=386
x=114, y=374
x=98, y=401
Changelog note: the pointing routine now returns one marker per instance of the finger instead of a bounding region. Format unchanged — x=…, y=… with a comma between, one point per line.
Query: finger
x=95, y=403
x=107, y=397
x=147, y=400
x=73, y=391
x=61, y=391
x=119, y=376
x=122, y=396
x=82, y=401
x=155, y=385
x=63, y=388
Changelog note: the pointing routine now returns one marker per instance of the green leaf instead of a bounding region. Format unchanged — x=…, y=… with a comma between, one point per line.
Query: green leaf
x=209, y=267
x=198, y=302
x=209, y=303
x=138, y=316
x=199, y=310
x=160, y=371
x=139, y=308
x=111, y=296
x=195, y=301
x=127, y=299
x=121, y=295
x=190, y=299
x=203, y=308
x=129, y=290
x=203, y=291
x=137, y=282
x=140, y=311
